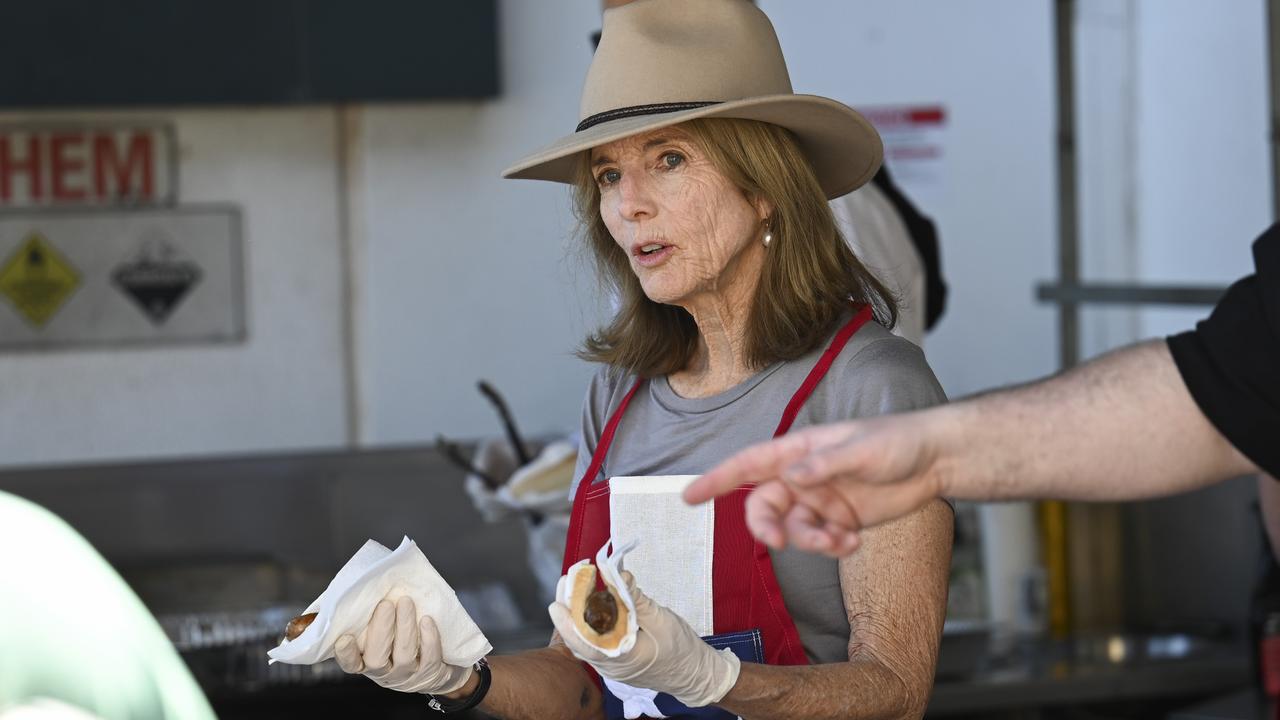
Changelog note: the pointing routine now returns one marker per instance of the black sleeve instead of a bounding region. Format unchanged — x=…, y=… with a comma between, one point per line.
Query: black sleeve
x=1231, y=361
x=925, y=237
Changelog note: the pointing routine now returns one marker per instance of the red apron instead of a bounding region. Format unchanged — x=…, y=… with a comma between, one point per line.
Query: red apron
x=745, y=591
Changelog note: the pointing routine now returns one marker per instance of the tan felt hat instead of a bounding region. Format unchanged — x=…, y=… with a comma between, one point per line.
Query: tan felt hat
x=662, y=62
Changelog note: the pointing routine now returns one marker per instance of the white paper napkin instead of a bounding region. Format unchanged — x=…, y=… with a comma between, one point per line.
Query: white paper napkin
x=374, y=573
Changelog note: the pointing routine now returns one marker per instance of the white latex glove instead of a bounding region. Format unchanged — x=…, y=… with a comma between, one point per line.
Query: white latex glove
x=398, y=652
x=668, y=655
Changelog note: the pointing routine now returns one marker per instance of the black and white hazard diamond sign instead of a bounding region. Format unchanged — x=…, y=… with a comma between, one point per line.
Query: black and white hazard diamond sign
x=156, y=278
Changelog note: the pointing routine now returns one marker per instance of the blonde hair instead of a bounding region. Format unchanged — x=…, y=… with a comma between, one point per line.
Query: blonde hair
x=809, y=280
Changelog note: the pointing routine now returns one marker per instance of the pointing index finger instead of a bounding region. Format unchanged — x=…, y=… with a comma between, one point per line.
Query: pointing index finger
x=757, y=464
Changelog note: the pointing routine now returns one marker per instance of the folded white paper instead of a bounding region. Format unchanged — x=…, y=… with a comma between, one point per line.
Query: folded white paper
x=372, y=574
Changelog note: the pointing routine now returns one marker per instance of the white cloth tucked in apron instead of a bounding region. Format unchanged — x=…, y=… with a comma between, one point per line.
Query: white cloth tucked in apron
x=674, y=542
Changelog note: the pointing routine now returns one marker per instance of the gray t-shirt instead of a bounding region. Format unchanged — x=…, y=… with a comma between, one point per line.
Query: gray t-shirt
x=662, y=433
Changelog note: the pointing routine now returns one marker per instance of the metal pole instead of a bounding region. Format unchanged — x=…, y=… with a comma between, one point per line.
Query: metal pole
x=1130, y=294
x=350, y=234
x=1053, y=514
x=1068, y=238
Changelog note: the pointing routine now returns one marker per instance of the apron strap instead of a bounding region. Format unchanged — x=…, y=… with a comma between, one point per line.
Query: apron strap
x=577, y=517
x=606, y=439
x=820, y=369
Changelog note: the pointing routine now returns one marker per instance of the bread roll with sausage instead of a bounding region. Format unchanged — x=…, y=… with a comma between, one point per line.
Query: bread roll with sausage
x=601, y=616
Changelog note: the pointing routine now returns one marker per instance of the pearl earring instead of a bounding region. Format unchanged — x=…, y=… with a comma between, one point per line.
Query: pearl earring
x=768, y=237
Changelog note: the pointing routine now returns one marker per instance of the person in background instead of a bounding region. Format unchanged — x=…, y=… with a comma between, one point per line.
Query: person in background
x=1153, y=419
x=892, y=238
x=900, y=246
x=75, y=641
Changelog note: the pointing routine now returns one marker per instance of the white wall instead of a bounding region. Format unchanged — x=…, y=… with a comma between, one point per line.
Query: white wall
x=1107, y=137
x=282, y=389
x=1204, y=156
x=989, y=63
x=1175, y=177
x=466, y=275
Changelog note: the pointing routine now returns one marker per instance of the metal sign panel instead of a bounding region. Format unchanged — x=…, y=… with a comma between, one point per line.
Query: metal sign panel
x=121, y=277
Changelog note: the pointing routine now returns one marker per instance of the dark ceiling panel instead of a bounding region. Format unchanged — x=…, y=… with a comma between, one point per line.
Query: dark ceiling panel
x=199, y=52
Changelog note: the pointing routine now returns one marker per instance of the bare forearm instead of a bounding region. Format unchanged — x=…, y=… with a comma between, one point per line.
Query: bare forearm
x=1120, y=427
x=540, y=684
x=860, y=690
x=895, y=596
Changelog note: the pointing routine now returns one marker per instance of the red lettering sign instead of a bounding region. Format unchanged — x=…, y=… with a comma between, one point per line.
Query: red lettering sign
x=902, y=116
x=86, y=166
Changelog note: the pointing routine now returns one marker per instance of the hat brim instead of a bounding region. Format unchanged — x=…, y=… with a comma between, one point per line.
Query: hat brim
x=843, y=147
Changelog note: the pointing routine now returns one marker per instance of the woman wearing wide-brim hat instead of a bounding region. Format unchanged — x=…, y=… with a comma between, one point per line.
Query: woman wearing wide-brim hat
x=701, y=181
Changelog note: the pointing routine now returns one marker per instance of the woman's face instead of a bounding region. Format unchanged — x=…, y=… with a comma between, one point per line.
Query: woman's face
x=687, y=229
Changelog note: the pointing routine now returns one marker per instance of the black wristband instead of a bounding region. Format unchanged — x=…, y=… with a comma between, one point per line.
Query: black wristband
x=445, y=705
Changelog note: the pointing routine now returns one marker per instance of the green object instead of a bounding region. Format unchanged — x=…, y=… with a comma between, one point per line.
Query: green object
x=71, y=630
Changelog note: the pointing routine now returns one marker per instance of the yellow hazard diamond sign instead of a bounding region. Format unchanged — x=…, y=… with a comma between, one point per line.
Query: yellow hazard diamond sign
x=37, y=280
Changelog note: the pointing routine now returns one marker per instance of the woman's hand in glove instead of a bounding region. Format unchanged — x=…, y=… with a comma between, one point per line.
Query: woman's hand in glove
x=668, y=655
x=399, y=652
